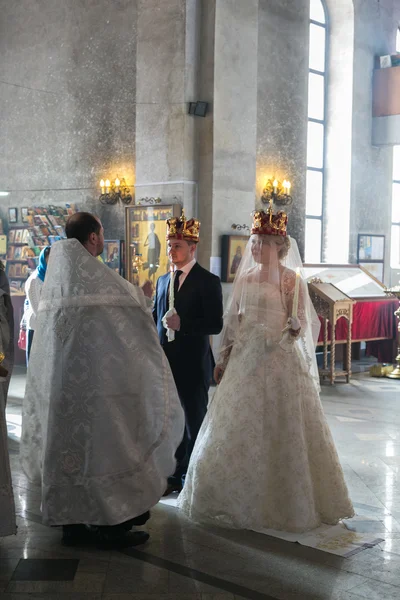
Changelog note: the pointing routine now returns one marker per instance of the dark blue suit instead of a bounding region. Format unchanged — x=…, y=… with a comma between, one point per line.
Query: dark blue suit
x=199, y=306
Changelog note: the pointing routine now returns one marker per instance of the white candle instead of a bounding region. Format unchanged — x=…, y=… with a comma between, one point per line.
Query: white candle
x=171, y=288
x=296, y=294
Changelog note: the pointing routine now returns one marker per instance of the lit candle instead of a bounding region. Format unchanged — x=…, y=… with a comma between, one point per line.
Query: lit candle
x=102, y=186
x=284, y=186
x=117, y=183
x=107, y=185
x=288, y=186
x=296, y=294
x=171, y=288
x=275, y=184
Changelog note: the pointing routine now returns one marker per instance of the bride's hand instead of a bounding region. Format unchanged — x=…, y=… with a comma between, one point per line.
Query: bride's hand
x=294, y=326
x=218, y=373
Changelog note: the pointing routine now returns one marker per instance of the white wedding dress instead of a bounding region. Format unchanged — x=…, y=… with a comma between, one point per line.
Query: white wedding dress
x=265, y=457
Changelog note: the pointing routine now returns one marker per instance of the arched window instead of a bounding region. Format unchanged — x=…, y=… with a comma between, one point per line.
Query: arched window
x=395, y=237
x=316, y=132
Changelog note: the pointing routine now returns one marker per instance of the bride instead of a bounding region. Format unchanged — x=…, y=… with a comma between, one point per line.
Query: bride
x=265, y=457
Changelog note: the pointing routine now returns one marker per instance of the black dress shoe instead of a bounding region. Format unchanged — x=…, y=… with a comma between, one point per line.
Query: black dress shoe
x=136, y=521
x=76, y=535
x=128, y=540
x=172, y=487
x=141, y=519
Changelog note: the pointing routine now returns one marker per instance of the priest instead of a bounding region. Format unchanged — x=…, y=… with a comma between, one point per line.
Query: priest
x=101, y=418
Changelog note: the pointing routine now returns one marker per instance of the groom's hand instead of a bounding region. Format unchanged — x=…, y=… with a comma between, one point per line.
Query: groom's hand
x=174, y=322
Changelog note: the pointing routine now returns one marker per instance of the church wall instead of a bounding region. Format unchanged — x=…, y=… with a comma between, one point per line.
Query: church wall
x=371, y=190
x=71, y=73
x=235, y=115
x=67, y=102
x=206, y=130
x=283, y=39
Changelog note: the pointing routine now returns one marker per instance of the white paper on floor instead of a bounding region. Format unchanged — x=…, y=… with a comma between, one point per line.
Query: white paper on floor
x=344, y=539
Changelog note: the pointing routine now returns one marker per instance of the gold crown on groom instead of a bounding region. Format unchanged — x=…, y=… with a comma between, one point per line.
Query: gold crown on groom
x=179, y=228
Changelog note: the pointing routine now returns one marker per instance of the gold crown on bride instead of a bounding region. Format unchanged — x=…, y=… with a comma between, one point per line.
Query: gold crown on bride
x=180, y=228
x=269, y=223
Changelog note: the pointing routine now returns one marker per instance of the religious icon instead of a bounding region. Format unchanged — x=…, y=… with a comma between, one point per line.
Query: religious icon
x=236, y=260
x=111, y=254
x=147, y=251
x=231, y=255
x=12, y=215
x=153, y=250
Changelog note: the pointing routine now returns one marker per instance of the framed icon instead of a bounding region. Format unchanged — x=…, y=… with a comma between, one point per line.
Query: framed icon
x=13, y=215
x=24, y=215
x=146, y=243
x=371, y=254
x=112, y=255
x=370, y=247
x=232, y=250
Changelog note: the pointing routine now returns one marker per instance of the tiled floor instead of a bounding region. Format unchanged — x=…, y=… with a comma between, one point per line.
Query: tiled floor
x=184, y=562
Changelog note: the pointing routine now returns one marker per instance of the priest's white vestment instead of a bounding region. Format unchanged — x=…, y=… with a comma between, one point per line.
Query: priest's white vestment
x=101, y=415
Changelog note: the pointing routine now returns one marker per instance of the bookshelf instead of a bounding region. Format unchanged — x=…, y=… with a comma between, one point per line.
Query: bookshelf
x=43, y=226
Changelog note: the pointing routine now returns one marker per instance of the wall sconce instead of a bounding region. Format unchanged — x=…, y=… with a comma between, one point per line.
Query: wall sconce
x=240, y=227
x=147, y=200
x=112, y=192
x=275, y=191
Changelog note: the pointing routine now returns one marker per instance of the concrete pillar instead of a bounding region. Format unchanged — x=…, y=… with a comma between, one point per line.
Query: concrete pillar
x=167, y=65
x=235, y=115
x=283, y=34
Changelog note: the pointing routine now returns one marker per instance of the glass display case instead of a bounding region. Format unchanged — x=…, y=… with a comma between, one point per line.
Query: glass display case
x=373, y=312
x=353, y=280
x=146, y=244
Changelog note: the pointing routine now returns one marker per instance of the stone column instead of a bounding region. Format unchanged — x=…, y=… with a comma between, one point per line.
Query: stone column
x=283, y=34
x=371, y=169
x=167, y=64
x=235, y=116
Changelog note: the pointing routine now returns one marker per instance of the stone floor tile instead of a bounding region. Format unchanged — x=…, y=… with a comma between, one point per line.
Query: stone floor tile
x=381, y=566
x=93, y=565
x=180, y=583
x=51, y=596
x=45, y=569
x=174, y=596
x=7, y=567
x=218, y=596
x=376, y=590
x=270, y=566
x=137, y=577
x=82, y=583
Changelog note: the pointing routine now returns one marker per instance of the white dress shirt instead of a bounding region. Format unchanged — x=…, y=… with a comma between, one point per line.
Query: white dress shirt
x=185, y=271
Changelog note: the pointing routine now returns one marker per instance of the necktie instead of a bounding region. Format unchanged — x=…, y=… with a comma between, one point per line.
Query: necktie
x=176, y=281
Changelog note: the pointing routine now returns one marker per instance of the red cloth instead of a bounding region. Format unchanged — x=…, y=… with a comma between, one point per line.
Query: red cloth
x=370, y=320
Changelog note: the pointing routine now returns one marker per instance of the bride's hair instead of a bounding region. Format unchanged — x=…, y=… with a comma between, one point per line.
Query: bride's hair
x=283, y=243
x=284, y=249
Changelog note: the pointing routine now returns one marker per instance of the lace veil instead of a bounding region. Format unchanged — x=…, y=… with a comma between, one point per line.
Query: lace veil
x=268, y=268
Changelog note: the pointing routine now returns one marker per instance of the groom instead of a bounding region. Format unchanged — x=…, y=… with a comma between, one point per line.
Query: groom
x=198, y=314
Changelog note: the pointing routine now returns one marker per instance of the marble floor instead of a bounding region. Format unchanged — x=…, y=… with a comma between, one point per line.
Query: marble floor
x=183, y=562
